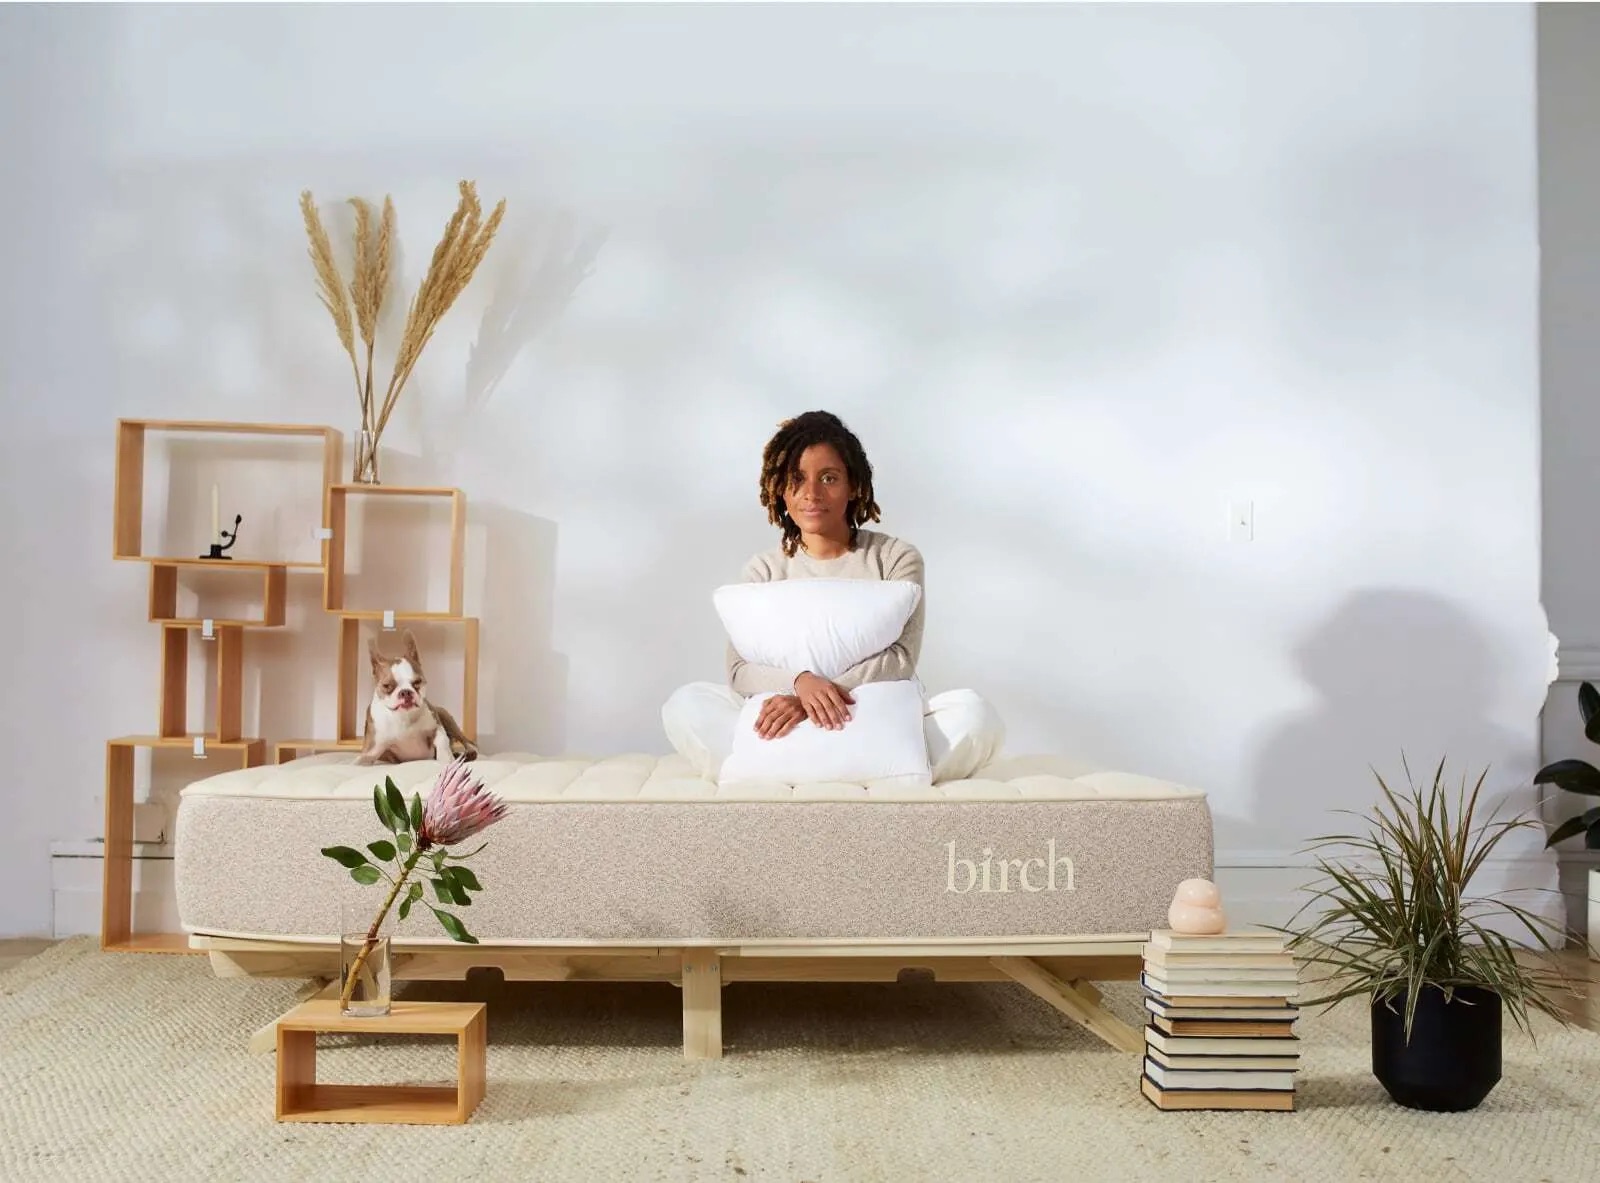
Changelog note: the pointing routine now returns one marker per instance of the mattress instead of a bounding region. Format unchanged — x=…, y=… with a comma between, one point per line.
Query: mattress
x=631, y=849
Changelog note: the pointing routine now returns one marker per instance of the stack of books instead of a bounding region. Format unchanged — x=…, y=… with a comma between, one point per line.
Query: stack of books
x=1221, y=1032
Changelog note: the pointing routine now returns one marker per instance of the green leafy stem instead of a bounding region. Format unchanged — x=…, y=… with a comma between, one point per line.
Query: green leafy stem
x=452, y=884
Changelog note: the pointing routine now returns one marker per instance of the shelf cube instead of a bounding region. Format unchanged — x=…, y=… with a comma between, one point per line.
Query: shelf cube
x=165, y=575
x=116, y=924
x=335, y=581
x=128, y=508
x=355, y=669
x=301, y=1098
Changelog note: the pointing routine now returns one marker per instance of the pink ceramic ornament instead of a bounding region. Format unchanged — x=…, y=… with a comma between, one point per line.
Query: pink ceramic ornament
x=1197, y=908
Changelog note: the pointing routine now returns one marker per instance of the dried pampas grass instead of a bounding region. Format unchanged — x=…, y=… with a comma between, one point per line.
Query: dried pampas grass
x=357, y=307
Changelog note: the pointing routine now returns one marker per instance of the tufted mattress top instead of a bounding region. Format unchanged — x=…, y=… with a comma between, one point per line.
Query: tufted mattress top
x=520, y=777
x=627, y=849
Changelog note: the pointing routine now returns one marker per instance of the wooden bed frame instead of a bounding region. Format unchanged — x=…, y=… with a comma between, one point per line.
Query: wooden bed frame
x=1059, y=970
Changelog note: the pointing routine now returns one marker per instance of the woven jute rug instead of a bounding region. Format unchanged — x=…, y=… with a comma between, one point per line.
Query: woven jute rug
x=129, y=1066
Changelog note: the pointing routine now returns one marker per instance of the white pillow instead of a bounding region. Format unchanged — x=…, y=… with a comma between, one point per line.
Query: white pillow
x=883, y=740
x=822, y=625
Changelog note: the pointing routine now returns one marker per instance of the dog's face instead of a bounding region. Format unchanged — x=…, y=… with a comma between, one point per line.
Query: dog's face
x=397, y=681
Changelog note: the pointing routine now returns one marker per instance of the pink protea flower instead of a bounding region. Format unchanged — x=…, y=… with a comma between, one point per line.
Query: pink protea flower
x=457, y=808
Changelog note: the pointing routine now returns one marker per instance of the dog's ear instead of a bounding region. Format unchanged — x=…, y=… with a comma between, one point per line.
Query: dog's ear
x=411, y=654
x=379, y=661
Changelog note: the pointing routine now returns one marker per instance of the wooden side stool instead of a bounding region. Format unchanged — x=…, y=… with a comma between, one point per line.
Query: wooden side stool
x=301, y=1098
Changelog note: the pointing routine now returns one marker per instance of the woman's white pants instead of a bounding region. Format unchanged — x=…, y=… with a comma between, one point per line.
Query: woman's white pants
x=963, y=731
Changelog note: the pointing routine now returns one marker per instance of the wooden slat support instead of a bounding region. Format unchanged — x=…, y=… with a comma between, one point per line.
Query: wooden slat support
x=335, y=513
x=230, y=683
x=116, y=889
x=348, y=679
x=127, y=505
x=274, y=596
x=469, y=680
x=702, y=1004
x=458, y=548
x=163, y=591
x=702, y=971
x=174, y=681
x=1079, y=1001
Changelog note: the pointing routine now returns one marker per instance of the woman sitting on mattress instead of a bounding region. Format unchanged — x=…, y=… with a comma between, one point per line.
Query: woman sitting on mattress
x=816, y=485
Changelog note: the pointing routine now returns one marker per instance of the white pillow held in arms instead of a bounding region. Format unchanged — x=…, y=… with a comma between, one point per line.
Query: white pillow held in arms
x=821, y=625
x=882, y=740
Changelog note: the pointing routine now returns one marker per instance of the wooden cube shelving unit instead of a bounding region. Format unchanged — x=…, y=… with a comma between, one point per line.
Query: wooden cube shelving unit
x=225, y=742
x=301, y=1098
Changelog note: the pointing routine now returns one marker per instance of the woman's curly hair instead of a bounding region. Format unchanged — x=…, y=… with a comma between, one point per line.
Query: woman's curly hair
x=780, y=464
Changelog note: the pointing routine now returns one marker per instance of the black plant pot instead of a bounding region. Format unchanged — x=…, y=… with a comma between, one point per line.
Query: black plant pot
x=1453, y=1060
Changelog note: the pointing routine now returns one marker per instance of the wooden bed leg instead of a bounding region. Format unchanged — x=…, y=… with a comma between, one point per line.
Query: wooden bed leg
x=266, y=1038
x=1077, y=1000
x=702, y=1004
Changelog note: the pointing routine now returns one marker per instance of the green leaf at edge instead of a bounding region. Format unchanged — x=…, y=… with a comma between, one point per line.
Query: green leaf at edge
x=381, y=849
x=397, y=805
x=416, y=812
x=465, y=878
x=453, y=926
x=1589, y=709
x=366, y=874
x=458, y=890
x=381, y=805
x=1573, y=826
x=1575, y=776
x=405, y=907
x=347, y=856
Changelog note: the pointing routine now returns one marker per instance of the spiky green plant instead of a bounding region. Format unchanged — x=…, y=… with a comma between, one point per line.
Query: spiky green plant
x=1397, y=918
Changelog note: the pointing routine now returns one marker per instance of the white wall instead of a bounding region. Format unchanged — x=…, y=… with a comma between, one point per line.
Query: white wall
x=1081, y=277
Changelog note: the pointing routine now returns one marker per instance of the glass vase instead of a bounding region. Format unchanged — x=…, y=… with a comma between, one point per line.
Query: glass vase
x=364, y=469
x=366, y=961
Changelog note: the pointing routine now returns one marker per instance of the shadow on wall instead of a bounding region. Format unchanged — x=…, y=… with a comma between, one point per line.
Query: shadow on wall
x=1402, y=679
x=533, y=272
x=522, y=679
x=510, y=574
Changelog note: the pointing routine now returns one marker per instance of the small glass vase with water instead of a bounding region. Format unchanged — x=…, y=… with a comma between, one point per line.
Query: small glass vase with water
x=365, y=960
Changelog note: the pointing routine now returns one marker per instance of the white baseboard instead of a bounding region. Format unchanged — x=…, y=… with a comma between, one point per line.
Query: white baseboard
x=76, y=872
x=1578, y=663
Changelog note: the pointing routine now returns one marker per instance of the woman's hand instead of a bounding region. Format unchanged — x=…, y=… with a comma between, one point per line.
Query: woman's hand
x=825, y=704
x=780, y=714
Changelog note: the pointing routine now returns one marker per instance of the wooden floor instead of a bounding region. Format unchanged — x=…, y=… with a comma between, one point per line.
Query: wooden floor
x=1584, y=1010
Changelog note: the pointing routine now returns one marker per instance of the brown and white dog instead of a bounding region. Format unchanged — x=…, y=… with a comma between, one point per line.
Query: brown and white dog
x=402, y=724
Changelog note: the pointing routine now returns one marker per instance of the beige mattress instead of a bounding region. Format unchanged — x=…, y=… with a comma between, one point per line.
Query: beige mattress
x=631, y=849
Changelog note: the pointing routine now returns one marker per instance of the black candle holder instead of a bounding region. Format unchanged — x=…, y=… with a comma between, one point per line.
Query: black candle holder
x=232, y=536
